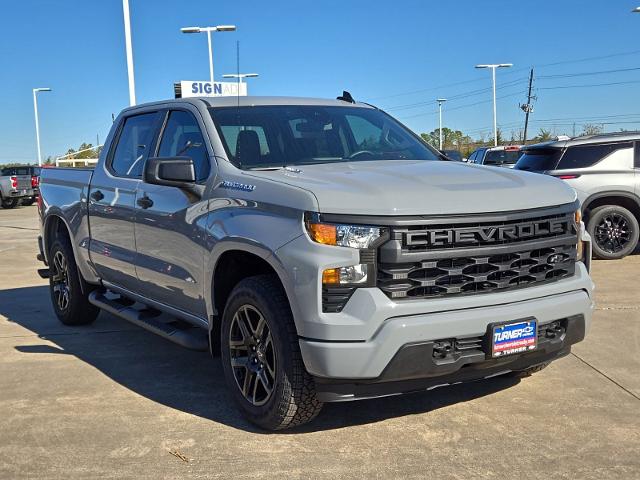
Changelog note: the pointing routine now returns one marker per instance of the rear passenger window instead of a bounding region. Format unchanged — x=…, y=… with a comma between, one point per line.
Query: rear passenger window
x=636, y=155
x=182, y=138
x=583, y=156
x=133, y=145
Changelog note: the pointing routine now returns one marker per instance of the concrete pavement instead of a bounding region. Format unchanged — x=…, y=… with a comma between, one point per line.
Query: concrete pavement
x=113, y=401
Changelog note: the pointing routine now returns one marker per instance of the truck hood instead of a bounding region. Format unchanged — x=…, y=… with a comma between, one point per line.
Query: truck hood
x=403, y=187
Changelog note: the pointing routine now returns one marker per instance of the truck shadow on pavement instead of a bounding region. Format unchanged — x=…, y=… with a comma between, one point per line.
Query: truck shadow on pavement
x=190, y=381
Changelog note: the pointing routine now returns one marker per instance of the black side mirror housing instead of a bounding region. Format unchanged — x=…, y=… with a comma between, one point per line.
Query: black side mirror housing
x=170, y=171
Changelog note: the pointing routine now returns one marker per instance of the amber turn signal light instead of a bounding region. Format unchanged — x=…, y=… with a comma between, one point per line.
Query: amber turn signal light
x=323, y=233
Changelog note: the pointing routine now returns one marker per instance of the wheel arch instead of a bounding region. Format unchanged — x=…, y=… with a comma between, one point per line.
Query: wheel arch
x=232, y=262
x=628, y=200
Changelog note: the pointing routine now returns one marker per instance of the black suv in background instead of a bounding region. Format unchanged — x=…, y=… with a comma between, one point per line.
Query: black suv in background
x=605, y=172
x=34, y=172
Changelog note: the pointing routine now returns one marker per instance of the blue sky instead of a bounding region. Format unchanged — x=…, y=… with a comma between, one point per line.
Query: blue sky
x=378, y=50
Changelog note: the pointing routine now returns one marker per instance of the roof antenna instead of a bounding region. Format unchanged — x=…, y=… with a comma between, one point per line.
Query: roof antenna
x=238, y=68
x=346, y=97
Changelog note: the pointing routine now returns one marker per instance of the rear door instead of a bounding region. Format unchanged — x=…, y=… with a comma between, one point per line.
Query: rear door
x=112, y=200
x=170, y=223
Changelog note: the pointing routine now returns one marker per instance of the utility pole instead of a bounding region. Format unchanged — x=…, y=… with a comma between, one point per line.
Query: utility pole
x=527, y=108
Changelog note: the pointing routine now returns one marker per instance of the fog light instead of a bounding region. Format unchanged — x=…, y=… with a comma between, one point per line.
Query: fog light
x=352, y=274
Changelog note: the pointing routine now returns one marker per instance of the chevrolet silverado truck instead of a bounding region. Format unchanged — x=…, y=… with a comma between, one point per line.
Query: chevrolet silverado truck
x=319, y=247
x=16, y=184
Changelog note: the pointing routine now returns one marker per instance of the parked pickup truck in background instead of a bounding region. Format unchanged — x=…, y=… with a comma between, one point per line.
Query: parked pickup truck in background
x=319, y=247
x=16, y=185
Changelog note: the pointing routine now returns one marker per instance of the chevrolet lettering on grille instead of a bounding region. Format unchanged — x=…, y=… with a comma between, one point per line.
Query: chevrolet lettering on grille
x=487, y=234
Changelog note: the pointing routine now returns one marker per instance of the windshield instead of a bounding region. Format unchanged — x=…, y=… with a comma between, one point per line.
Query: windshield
x=499, y=157
x=539, y=160
x=281, y=135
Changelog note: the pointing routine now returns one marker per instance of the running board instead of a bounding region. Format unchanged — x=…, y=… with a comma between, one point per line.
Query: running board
x=194, y=338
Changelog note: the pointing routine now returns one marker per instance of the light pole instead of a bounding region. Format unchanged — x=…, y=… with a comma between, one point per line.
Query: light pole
x=493, y=76
x=35, y=111
x=440, y=102
x=208, y=30
x=127, y=42
x=240, y=76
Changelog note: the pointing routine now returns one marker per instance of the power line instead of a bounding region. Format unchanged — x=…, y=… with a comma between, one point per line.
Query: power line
x=462, y=106
x=587, y=85
x=584, y=74
x=470, y=93
x=539, y=66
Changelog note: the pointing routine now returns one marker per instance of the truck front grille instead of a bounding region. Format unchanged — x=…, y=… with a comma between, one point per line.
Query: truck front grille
x=422, y=261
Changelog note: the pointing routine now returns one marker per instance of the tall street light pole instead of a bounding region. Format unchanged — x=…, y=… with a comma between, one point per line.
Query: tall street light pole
x=35, y=111
x=208, y=31
x=240, y=76
x=127, y=41
x=440, y=102
x=493, y=68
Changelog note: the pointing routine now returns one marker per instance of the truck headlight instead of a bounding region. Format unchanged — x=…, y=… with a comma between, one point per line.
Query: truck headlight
x=353, y=236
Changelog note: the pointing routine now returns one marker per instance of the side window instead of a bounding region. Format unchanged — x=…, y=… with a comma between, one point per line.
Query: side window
x=636, y=155
x=133, y=144
x=472, y=158
x=182, y=137
x=583, y=156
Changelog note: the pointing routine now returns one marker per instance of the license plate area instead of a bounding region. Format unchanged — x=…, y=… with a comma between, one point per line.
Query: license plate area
x=514, y=337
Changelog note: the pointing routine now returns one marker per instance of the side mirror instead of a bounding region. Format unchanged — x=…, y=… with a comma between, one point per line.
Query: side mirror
x=170, y=171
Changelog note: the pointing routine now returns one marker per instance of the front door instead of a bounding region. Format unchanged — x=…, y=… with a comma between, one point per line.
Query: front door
x=112, y=201
x=170, y=222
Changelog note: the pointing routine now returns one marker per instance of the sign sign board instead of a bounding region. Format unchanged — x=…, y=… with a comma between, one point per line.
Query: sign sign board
x=189, y=88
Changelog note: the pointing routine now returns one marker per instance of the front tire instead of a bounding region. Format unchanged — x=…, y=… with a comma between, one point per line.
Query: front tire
x=614, y=231
x=70, y=303
x=261, y=357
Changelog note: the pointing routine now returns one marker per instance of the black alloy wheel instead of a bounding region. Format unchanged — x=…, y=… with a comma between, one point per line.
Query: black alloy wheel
x=60, y=281
x=614, y=231
x=253, y=357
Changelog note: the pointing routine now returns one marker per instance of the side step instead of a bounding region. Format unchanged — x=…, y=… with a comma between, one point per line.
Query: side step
x=194, y=338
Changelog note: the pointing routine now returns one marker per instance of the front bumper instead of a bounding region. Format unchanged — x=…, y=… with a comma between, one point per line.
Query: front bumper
x=369, y=359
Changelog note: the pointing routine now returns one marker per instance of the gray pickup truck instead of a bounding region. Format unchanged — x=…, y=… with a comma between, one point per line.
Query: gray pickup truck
x=319, y=247
x=16, y=185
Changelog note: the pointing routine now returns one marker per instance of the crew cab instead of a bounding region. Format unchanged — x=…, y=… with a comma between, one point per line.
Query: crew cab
x=319, y=247
x=16, y=185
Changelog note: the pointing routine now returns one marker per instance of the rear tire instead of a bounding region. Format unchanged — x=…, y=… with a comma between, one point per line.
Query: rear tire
x=261, y=357
x=614, y=231
x=70, y=302
x=9, y=203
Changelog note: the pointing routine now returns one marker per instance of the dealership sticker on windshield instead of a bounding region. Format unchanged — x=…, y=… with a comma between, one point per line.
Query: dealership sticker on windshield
x=512, y=338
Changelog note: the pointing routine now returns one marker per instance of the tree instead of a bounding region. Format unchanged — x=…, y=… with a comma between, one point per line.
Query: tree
x=89, y=153
x=591, y=129
x=451, y=139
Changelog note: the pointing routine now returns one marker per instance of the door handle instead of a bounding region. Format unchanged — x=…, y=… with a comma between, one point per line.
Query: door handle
x=144, y=202
x=97, y=196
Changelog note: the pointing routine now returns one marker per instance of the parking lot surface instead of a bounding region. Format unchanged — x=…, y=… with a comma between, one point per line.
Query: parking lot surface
x=114, y=401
